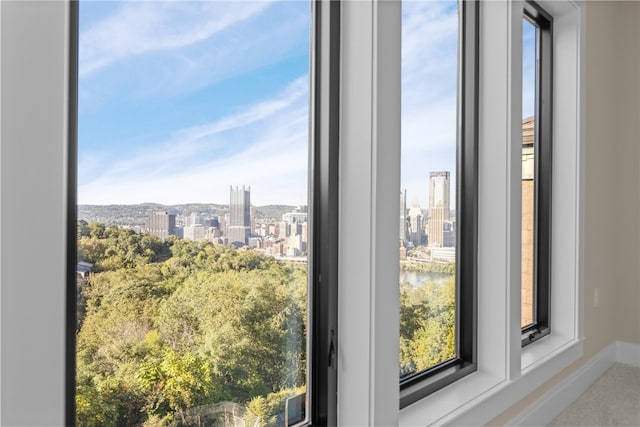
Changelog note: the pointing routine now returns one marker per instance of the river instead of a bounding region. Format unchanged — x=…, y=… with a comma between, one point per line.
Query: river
x=416, y=278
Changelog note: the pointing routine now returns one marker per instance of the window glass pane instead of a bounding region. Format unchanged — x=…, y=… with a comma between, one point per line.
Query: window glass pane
x=428, y=180
x=529, y=90
x=192, y=231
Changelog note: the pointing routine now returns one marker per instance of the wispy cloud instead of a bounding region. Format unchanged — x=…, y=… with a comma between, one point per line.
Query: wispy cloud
x=141, y=27
x=297, y=89
x=264, y=145
x=429, y=79
x=157, y=48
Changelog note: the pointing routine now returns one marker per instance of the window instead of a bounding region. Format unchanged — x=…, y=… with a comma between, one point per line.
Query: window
x=536, y=172
x=198, y=299
x=506, y=367
x=365, y=349
x=438, y=179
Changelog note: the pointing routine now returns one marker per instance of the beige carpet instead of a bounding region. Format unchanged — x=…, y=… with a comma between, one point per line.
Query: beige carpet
x=613, y=400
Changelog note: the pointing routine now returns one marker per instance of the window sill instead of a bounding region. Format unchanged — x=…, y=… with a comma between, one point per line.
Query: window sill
x=480, y=397
x=443, y=405
x=537, y=353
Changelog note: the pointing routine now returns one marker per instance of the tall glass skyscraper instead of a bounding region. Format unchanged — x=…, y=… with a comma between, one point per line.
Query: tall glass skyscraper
x=439, y=193
x=239, y=215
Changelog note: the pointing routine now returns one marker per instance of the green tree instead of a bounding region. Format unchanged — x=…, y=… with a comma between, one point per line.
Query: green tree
x=178, y=382
x=427, y=325
x=270, y=409
x=82, y=229
x=92, y=409
x=434, y=342
x=177, y=324
x=96, y=230
x=243, y=321
x=91, y=249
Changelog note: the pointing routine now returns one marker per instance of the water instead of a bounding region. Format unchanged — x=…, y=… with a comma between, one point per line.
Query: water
x=416, y=278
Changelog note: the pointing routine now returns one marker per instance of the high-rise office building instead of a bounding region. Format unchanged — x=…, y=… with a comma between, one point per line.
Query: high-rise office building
x=416, y=233
x=403, y=215
x=283, y=230
x=439, y=193
x=298, y=215
x=192, y=219
x=194, y=232
x=161, y=224
x=239, y=227
x=252, y=219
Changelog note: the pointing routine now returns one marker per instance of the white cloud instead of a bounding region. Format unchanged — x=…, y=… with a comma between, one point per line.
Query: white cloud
x=429, y=75
x=429, y=43
x=270, y=144
x=256, y=143
x=276, y=175
x=141, y=27
x=297, y=89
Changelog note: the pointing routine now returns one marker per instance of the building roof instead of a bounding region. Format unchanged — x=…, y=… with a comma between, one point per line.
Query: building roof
x=83, y=267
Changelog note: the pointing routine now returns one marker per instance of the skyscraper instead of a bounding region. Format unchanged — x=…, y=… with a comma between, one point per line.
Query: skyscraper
x=239, y=227
x=439, y=193
x=416, y=218
x=403, y=215
x=161, y=224
x=192, y=219
x=195, y=232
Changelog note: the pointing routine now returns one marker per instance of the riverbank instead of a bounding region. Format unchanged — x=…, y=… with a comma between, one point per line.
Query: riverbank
x=427, y=266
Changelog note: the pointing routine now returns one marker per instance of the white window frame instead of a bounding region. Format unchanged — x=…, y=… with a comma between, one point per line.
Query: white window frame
x=34, y=90
x=367, y=377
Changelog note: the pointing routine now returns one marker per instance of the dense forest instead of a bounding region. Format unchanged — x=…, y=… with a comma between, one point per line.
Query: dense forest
x=427, y=325
x=178, y=332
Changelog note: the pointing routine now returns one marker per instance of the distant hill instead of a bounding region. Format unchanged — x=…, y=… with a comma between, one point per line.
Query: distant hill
x=136, y=215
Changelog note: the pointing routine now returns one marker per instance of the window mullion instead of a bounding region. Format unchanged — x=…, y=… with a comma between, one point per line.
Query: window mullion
x=324, y=162
x=369, y=182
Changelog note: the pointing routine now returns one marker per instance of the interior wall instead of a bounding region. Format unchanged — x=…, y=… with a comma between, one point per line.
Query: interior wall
x=612, y=196
x=600, y=138
x=627, y=214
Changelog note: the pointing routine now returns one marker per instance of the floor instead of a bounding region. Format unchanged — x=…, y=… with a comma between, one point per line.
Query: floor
x=613, y=400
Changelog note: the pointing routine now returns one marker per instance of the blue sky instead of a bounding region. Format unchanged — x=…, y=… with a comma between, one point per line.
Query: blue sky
x=528, y=68
x=429, y=93
x=180, y=100
x=429, y=88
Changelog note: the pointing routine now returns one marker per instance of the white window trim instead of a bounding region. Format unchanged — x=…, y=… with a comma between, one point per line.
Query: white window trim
x=506, y=372
x=368, y=312
x=34, y=91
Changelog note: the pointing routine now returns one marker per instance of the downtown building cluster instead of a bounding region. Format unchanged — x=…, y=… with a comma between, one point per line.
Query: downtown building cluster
x=283, y=237
x=435, y=230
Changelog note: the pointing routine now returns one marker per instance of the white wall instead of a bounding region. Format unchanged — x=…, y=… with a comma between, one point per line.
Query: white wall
x=32, y=217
